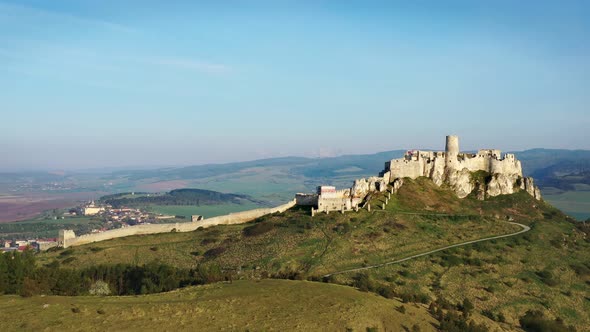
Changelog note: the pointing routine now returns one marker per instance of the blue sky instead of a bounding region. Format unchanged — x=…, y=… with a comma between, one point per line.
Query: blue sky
x=86, y=84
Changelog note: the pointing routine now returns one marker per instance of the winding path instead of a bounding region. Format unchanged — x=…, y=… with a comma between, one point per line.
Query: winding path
x=524, y=229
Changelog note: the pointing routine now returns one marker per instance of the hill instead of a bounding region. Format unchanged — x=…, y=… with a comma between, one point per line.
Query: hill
x=267, y=305
x=195, y=197
x=544, y=269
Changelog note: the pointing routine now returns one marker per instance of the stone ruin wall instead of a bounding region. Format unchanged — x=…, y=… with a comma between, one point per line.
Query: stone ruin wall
x=67, y=238
x=454, y=168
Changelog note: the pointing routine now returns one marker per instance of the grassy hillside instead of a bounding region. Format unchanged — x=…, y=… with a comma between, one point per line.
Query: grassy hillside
x=294, y=242
x=264, y=305
x=545, y=269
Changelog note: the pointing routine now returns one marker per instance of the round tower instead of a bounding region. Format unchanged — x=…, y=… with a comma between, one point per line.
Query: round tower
x=451, y=150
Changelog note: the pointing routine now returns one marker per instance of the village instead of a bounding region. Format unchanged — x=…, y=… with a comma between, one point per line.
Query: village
x=109, y=217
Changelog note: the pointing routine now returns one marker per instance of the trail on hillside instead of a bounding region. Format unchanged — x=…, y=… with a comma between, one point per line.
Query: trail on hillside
x=524, y=229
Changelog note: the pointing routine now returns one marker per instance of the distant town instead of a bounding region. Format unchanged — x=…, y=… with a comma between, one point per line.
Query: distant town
x=110, y=218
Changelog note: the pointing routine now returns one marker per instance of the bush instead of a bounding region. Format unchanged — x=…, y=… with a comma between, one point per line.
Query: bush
x=258, y=229
x=363, y=282
x=581, y=269
x=467, y=307
x=69, y=260
x=534, y=321
x=386, y=292
x=547, y=277
x=214, y=252
x=451, y=322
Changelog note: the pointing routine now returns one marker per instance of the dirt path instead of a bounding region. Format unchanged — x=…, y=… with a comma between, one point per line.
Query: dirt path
x=524, y=229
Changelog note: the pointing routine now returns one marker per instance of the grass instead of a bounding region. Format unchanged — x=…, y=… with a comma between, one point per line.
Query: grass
x=501, y=276
x=265, y=305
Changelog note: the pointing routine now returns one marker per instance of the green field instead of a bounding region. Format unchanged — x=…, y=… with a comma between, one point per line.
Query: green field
x=574, y=203
x=265, y=305
x=207, y=211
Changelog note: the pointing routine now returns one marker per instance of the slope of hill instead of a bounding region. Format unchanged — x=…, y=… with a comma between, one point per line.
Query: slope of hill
x=544, y=269
x=265, y=305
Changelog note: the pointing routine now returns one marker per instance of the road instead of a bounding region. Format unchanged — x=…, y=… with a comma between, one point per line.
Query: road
x=524, y=229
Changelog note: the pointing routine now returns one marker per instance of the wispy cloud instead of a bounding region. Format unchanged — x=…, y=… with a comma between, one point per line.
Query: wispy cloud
x=192, y=64
x=20, y=11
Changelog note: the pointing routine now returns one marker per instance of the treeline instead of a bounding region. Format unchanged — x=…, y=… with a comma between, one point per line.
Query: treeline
x=176, y=197
x=20, y=275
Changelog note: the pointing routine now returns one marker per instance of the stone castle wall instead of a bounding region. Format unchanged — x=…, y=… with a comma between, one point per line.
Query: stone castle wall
x=454, y=168
x=67, y=238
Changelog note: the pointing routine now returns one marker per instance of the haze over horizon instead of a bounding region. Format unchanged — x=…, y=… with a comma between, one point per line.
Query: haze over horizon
x=111, y=84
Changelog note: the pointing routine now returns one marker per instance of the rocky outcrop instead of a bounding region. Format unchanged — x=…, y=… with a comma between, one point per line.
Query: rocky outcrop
x=529, y=185
x=461, y=182
x=502, y=184
x=454, y=167
x=360, y=188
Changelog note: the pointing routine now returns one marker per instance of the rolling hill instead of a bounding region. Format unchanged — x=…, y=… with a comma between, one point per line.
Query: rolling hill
x=544, y=270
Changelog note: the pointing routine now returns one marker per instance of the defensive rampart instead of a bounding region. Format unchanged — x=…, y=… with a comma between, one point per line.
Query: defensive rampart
x=229, y=219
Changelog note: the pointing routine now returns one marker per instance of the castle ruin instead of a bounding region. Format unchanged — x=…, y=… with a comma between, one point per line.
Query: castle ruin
x=503, y=175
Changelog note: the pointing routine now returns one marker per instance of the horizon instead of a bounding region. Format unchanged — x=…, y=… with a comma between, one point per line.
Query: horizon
x=110, y=85
x=171, y=166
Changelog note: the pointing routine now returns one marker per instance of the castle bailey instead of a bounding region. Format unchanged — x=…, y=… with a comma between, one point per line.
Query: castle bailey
x=501, y=175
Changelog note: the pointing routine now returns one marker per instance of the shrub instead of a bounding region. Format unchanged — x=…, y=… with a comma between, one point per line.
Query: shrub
x=489, y=314
x=69, y=260
x=214, y=252
x=467, y=307
x=208, y=240
x=363, y=282
x=258, y=229
x=547, y=277
x=534, y=321
x=66, y=252
x=581, y=269
x=386, y=292
x=451, y=322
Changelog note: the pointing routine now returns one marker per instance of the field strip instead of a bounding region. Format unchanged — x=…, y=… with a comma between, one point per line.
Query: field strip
x=524, y=229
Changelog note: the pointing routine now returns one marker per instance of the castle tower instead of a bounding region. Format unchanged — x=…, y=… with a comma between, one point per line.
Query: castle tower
x=451, y=151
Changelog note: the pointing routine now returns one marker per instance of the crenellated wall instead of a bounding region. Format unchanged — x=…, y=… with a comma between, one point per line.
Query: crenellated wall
x=67, y=238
